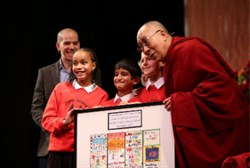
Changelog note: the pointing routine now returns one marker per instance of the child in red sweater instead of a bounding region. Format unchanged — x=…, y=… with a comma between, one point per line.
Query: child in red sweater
x=126, y=77
x=154, y=89
x=79, y=92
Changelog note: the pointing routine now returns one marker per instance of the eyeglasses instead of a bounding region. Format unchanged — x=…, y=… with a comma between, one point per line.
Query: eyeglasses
x=145, y=42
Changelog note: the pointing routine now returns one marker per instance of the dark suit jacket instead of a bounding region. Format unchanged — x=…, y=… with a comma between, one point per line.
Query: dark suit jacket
x=47, y=79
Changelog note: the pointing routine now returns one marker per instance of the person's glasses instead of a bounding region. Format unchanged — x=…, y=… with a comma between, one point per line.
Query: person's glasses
x=145, y=42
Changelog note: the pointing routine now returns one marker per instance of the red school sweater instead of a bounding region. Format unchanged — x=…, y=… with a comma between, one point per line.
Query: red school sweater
x=63, y=98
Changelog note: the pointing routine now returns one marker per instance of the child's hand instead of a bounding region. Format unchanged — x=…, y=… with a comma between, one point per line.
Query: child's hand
x=69, y=117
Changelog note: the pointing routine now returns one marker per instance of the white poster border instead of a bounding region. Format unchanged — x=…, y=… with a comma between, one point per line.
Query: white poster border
x=97, y=121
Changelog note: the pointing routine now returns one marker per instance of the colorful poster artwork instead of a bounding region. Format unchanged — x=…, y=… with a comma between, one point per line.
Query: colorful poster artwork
x=151, y=148
x=116, y=150
x=133, y=144
x=98, y=151
x=131, y=149
x=151, y=137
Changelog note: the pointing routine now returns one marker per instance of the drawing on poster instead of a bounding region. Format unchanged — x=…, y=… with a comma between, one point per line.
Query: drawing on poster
x=152, y=153
x=133, y=150
x=151, y=148
x=98, y=151
x=116, y=149
x=140, y=148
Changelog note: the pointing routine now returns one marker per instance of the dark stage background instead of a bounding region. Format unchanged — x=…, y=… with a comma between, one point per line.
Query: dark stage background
x=30, y=32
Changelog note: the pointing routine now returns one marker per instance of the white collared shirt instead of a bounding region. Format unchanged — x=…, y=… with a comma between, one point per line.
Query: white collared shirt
x=88, y=89
x=125, y=98
x=157, y=84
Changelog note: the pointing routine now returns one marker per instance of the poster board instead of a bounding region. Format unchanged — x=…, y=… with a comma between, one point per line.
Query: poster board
x=134, y=135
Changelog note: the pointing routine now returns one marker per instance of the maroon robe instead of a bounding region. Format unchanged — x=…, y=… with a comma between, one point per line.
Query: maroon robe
x=208, y=108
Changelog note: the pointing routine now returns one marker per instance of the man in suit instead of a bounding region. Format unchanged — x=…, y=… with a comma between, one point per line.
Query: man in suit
x=48, y=76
